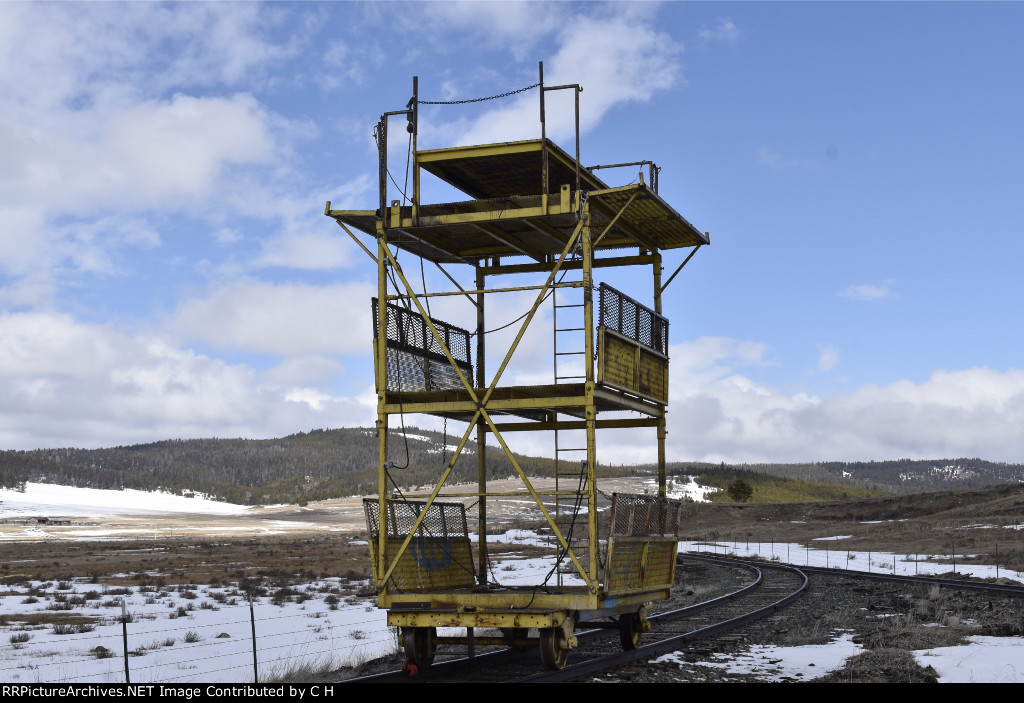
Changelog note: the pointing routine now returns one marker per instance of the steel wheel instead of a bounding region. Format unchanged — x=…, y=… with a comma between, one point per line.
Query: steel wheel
x=629, y=631
x=419, y=645
x=553, y=649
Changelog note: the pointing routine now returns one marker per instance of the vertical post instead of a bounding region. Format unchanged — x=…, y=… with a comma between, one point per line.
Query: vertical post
x=543, y=146
x=252, y=622
x=577, y=90
x=124, y=640
x=481, y=430
x=415, y=162
x=382, y=418
x=661, y=429
x=590, y=409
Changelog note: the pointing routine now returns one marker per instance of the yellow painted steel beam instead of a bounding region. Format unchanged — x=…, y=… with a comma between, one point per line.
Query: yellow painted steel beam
x=454, y=282
x=642, y=259
x=462, y=218
x=508, y=404
x=430, y=501
x=509, y=240
x=403, y=296
x=492, y=619
x=430, y=155
x=430, y=240
x=628, y=403
x=354, y=237
x=486, y=494
x=578, y=424
x=533, y=310
x=615, y=219
x=592, y=583
x=641, y=239
x=544, y=228
x=680, y=268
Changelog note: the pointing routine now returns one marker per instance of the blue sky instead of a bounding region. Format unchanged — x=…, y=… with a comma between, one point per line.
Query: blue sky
x=166, y=269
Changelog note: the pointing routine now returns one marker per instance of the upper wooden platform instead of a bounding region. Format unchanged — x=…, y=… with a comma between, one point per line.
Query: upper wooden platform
x=507, y=217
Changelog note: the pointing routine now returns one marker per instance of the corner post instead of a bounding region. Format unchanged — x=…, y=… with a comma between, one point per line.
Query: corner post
x=662, y=432
x=590, y=408
x=481, y=430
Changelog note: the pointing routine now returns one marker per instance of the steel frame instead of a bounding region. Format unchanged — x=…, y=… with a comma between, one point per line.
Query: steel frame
x=481, y=400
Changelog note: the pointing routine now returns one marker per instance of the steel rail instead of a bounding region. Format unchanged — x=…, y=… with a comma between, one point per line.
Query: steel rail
x=442, y=670
x=672, y=644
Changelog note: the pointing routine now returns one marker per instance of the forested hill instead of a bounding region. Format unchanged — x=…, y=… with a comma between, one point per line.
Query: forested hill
x=897, y=476
x=302, y=467
x=325, y=464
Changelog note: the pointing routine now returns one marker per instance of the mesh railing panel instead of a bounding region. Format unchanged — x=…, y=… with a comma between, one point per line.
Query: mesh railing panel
x=635, y=515
x=443, y=520
x=415, y=359
x=629, y=318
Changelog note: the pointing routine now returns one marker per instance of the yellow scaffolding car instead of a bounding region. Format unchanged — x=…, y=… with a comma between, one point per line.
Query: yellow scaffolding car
x=531, y=209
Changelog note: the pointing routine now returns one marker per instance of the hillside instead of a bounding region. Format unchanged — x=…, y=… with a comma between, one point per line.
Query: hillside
x=302, y=467
x=323, y=464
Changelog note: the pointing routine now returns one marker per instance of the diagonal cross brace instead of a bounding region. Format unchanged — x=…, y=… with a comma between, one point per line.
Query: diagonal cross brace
x=481, y=405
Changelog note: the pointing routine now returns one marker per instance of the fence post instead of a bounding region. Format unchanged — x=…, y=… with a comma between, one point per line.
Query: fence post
x=124, y=640
x=252, y=620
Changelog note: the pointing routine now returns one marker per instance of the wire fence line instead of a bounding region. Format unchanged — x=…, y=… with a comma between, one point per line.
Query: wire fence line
x=239, y=643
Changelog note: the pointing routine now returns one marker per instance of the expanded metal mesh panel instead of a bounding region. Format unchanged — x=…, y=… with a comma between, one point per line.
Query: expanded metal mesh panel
x=629, y=318
x=445, y=520
x=639, y=564
x=415, y=359
x=635, y=515
x=438, y=557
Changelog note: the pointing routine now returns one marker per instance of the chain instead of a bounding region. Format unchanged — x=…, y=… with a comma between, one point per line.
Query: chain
x=478, y=100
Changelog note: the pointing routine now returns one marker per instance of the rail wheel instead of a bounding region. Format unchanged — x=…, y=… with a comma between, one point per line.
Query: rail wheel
x=420, y=646
x=554, y=650
x=630, y=628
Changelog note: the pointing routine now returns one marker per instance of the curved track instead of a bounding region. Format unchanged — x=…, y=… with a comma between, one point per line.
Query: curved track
x=766, y=589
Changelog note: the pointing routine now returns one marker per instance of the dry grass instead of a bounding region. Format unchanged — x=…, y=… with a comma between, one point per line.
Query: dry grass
x=882, y=666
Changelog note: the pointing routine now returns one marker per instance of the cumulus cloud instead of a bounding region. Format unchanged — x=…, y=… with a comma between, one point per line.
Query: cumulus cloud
x=725, y=31
x=869, y=291
x=829, y=357
x=717, y=413
x=635, y=62
x=280, y=318
x=64, y=383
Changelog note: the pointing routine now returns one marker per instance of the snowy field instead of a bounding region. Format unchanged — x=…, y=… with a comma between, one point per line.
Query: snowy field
x=182, y=633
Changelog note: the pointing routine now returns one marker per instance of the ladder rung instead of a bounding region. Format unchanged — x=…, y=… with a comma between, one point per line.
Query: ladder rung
x=571, y=449
x=569, y=353
x=570, y=329
x=562, y=378
x=571, y=305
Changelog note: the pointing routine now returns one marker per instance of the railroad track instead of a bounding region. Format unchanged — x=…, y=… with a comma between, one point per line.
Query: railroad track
x=766, y=587
x=763, y=590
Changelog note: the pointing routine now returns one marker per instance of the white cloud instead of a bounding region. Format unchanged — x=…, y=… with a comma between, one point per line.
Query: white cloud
x=828, y=358
x=716, y=414
x=635, y=62
x=725, y=32
x=869, y=291
x=64, y=383
x=281, y=319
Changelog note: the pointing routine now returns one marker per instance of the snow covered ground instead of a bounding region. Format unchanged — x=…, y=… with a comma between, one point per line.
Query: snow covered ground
x=183, y=633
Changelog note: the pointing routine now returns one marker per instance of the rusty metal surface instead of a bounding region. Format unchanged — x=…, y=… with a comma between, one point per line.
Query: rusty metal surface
x=500, y=170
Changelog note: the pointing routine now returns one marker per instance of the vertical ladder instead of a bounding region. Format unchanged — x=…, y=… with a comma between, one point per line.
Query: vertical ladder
x=571, y=445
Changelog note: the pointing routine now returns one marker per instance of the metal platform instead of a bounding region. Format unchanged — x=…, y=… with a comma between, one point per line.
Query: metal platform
x=531, y=208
